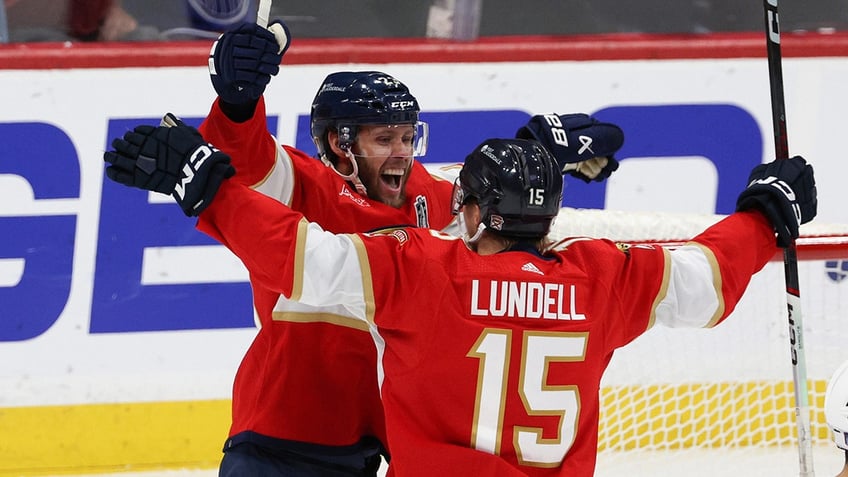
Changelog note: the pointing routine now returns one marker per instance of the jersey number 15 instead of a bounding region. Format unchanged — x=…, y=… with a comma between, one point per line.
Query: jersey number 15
x=540, y=349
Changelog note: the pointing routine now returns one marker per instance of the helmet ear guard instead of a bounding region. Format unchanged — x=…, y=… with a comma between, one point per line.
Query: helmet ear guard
x=347, y=136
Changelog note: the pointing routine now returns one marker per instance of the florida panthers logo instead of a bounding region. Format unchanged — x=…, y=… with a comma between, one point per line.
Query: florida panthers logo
x=496, y=222
x=401, y=235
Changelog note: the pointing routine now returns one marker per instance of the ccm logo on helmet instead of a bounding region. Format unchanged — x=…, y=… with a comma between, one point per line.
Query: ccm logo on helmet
x=401, y=104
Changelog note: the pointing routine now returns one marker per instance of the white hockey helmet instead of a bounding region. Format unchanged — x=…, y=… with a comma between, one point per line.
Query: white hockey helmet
x=836, y=406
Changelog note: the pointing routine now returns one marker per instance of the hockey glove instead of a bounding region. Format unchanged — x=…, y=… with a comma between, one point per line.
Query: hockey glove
x=582, y=145
x=171, y=159
x=244, y=59
x=785, y=191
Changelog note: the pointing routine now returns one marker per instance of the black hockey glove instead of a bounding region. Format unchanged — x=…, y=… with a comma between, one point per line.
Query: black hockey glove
x=244, y=59
x=583, y=146
x=171, y=159
x=785, y=191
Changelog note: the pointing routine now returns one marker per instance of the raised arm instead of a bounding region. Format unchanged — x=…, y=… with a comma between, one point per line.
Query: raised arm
x=241, y=64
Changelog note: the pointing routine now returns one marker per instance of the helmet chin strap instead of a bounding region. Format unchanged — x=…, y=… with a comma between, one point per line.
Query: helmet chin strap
x=353, y=177
x=472, y=241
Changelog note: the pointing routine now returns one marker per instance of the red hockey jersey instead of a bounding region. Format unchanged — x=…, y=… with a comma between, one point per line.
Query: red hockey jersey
x=303, y=378
x=489, y=365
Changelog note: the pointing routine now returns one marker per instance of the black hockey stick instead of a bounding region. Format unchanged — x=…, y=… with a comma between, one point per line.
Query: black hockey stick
x=790, y=258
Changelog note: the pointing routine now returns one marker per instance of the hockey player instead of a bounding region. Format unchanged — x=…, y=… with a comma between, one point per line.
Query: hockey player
x=836, y=411
x=491, y=350
x=345, y=110
x=366, y=127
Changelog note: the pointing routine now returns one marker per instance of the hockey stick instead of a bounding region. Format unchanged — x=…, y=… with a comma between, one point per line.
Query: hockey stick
x=4, y=25
x=280, y=32
x=790, y=259
x=262, y=13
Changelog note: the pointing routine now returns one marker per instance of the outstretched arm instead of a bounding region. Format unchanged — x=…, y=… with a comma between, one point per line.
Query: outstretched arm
x=272, y=240
x=781, y=195
x=286, y=254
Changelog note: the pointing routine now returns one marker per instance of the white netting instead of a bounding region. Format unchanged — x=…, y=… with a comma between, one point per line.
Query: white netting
x=729, y=387
x=658, y=226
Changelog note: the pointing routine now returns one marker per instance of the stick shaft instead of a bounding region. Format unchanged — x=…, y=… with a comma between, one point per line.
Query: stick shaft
x=790, y=259
x=262, y=13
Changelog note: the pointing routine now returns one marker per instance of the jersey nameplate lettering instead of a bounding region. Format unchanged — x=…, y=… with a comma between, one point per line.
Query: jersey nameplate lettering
x=525, y=300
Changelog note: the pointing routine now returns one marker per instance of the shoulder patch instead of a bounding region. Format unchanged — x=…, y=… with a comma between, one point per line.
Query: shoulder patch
x=398, y=233
x=401, y=235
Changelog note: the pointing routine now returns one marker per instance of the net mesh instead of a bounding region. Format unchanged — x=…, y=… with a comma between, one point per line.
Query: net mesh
x=729, y=387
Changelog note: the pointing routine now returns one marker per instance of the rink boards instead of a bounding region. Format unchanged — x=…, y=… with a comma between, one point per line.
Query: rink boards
x=122, y=327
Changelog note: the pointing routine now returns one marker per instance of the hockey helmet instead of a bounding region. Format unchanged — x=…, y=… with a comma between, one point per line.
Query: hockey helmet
x=349, y=99
x=517, y=185
x=836, y=406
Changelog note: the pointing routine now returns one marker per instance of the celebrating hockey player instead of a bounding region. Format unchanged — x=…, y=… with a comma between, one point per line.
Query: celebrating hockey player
x=836, y=411
x=366, y=127
x=491, y=349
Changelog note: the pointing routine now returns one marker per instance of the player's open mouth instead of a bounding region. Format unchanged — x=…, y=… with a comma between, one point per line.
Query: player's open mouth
x=392, y=178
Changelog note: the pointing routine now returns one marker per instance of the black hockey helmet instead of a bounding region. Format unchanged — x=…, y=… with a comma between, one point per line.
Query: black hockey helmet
x=517, y=185
x=348, y=99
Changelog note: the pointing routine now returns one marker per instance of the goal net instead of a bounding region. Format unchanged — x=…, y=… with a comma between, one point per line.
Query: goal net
x=728, y=387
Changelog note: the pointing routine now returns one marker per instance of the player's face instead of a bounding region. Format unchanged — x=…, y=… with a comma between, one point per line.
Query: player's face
x=384, y=157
